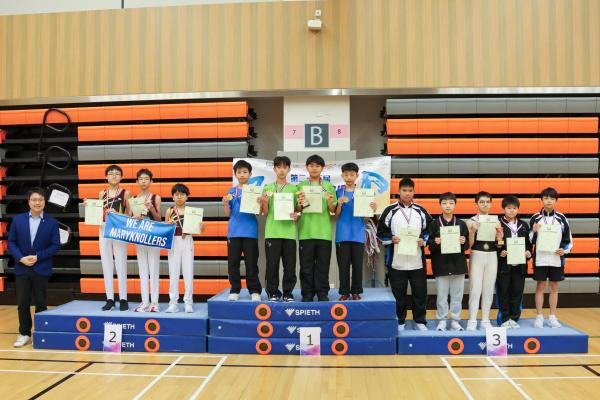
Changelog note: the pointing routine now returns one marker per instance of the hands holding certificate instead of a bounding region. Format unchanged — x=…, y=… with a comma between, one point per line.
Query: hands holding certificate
x=548, y=237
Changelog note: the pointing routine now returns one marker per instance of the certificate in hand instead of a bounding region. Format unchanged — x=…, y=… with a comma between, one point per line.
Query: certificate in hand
x=548, y=238
x=362, y=202
x=450, y=236
x=408, y=241
x=487, y=228
x=515, y=247
x=250, y=196
x=314, y=197
x=93, y=212
x=192, y=218
x=283, y=204
x=138, y=206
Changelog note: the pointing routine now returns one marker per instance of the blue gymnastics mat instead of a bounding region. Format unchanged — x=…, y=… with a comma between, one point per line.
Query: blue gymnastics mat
x=526, y=340
x=242, y=345
x=377, y=303
x=385, y=328
x=87, y=317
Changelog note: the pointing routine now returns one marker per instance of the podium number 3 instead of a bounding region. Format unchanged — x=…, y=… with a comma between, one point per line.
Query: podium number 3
x=496, y=339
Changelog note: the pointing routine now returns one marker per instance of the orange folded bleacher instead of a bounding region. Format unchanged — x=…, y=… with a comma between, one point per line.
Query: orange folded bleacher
x=202, y=286
x=205, y=248
x=163, y=189
x=487, y=126
x=213, y=130
x=218, y=169
x=501, y=185
x=528, y=206
x=492, y=146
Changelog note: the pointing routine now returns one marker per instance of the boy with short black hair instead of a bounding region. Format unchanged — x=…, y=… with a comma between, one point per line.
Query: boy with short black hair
x=405, y=269
x=280, y=235
x=549, y=265
x=315, y=232
x=242, y=237
x=148, y=257
x=349, y=236
x=449, y=269
x=510, y=281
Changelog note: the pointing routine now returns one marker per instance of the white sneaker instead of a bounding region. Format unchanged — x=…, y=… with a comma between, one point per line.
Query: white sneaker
x=233, y=297
x=508, y=324
x=455, y=326
x=189, y=308
x=21, y=341
x=154, y=307
x=141, y=308
x=472, y=325
x=539, y=321
x=553, y=322
x=442, y=325
x=255, y=296
x=422, y=327
x=485, y=324
x=401, y=327
x=514, y=324
x=173, y=308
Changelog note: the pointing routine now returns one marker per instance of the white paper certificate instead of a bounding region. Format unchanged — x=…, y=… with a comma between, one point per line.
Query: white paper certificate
x=408, y=241
x=362, y=202
x=250, y=196
x=283, y=206
x=314, y=196
x=548, y=238
x=450, y=236
x=138, y=206
x=487, y=228
x=94, y=212
x=515, y=247
x=192, y=218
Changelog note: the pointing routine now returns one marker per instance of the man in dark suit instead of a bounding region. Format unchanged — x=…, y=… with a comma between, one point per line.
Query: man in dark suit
x=33, y=238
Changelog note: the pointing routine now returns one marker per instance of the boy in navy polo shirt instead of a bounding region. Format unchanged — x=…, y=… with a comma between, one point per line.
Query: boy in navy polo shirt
x=242, y=237
x=349, y=236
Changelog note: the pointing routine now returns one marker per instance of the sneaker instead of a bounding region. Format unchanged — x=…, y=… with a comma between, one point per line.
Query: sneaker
x=322, y=297
x=485, y=324
x=141, y=308
x=109, y=306
x=173, y=308
x=154, y=307
x=274, y=297
x=344, y=297
x=233, y=296
x=123, y=305
x=539, y=321
x=553, y=322
x=288, y=298
x=255, y=296
x=189, y=308
x=422, y=327
x=21, y=341
x=356, y=296
x=401, y=327
x=442, y=325
x=507, y=324
x=472, y=325
x=455, y=326
x=514, y=324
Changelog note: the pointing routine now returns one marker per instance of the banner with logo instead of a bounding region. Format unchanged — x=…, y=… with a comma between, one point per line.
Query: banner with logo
x=139, y=231
x=374, y=173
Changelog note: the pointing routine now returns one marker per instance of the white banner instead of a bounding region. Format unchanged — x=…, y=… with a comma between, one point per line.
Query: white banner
x=374, y=173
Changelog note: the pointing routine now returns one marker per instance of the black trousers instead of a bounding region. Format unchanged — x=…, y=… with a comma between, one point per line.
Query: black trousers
x=399, y=281
x=235, y=247
x=350, y=253
x=30, y=286
x=510, y=283
x=284, y=250
x=315, y=255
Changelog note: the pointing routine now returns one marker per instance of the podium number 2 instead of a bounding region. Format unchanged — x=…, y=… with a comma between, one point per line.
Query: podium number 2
x=113, y=336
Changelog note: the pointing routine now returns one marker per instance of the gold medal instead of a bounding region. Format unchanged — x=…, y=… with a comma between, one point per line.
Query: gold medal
x=229, y=197
x=345, y=199
x=269, y=194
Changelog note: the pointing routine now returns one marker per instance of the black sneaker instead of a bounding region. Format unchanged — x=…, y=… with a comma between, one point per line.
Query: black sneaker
x=123, y=305
x=274, y=297
x=109, y=306
x=288, y=298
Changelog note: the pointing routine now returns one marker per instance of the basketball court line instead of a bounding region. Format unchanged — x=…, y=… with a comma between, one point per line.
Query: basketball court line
x=509, y=379
x=208, y=379
x=158, y=378
x=113, y=374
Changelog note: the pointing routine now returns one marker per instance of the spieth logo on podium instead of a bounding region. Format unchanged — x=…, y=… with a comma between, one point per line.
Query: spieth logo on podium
x=291, y=329
x=301, y=312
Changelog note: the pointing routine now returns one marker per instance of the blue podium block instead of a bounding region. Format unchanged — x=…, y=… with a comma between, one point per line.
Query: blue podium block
x=329, y=346
x=130, y=343
x=378, y=303
x=87, y=317
x=281, y=329
x=526, y=340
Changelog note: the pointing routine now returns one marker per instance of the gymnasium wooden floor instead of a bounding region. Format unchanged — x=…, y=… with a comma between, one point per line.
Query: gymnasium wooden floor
x=31, y=374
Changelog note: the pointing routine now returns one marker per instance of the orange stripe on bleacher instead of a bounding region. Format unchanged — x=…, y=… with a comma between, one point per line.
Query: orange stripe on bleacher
x=220, y=130
x=528, y=206
x=1, y=284
x=220, y=169
x=205, y=248
x=485, y=126
x=501, y=185
x=234, y=109
x=204, y=286
x=492, y=146
x=211, y=228
x=578, y=266
x=163, y=189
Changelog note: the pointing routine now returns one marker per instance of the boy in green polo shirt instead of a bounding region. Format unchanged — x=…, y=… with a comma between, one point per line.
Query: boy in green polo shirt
x=279, y=204
x=317, y=200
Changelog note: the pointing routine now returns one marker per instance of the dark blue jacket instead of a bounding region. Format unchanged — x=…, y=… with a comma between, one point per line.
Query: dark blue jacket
x=45, y=245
